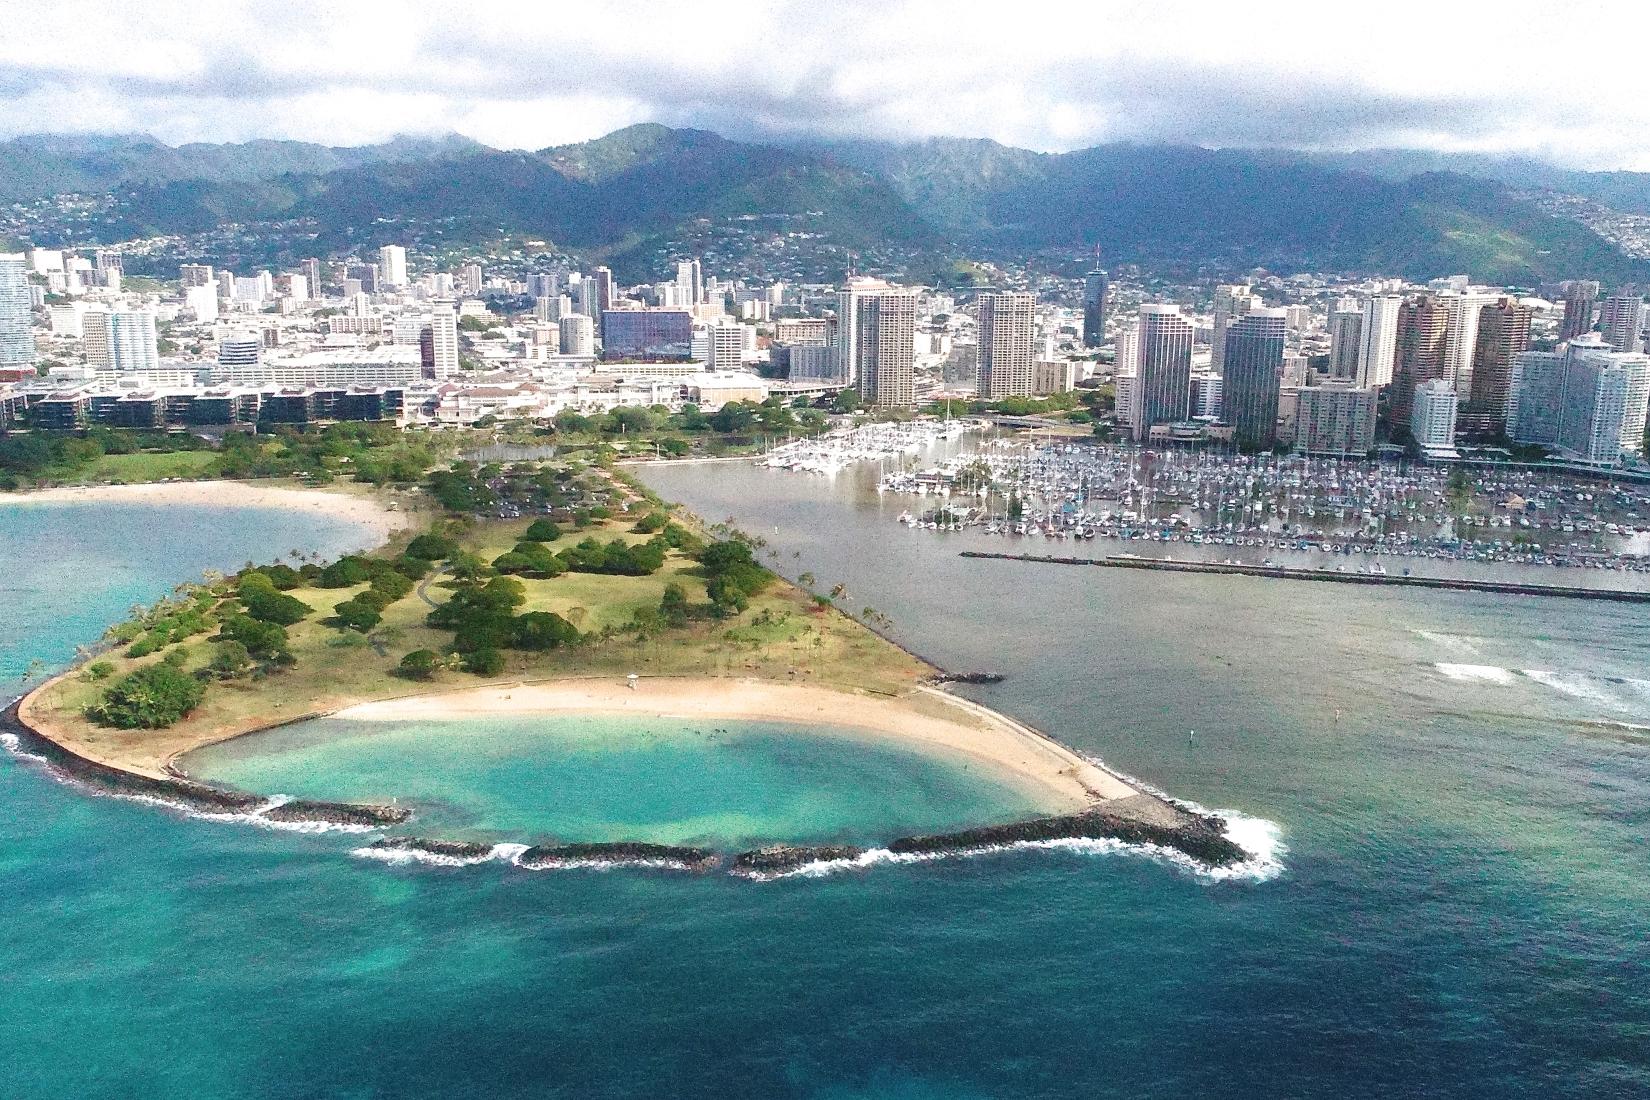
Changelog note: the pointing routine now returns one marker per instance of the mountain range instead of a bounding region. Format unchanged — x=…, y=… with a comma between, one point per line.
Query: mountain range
x=622, y=197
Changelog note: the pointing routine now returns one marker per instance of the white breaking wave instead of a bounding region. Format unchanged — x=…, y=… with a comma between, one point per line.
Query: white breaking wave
x=1256, y=836
x=1491, y=673
x=1577, y=685
x=1456, y=643
x=1617, y=693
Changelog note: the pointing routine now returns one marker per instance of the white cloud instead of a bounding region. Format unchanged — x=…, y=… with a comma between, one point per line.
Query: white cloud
x=1049, y=74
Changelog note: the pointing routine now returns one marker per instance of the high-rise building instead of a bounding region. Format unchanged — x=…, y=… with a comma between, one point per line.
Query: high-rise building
x=1006, y=327
x=202, y=301
x=365, y=274
x=604, y=292
x=1432, y=415
x=647, y=334
x=1231, y=302
x=16, y=316
x=195, y=275
x=724, y=346
x=1423, y=326
x=1096, y=292
x=312, y=278
x=1335, y=419
x=1164, y=372
x=876, y=341
x=121, y=340
x=1346, y=329
x=690, y=281
x=443, y=338
x=1252, y=375
x=1579, y=300
x=578, y=335
x=392, y=265
x=1503, y=333
x=1621, y=322
x=1588, y=401
x=240, y=349
x=226, y=285
x=1461, y=336
x=1378, y=350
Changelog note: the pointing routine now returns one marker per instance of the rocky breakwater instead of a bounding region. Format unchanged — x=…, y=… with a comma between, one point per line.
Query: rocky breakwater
x=186, y=794
x=780, y=859
x=625, y=853
x=1202, y=837
x=431, y=849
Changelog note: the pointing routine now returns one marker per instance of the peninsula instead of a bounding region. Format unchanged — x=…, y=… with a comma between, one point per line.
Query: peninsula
x=585, y=596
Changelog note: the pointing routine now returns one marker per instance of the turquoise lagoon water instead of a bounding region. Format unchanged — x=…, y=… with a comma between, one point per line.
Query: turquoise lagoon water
x=617, y=778
x=1462, y=784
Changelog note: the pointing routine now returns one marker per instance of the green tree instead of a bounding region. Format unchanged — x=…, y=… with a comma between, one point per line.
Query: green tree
x=420, y=664
x=673, y=605
x=153, y=697
x=484, y=662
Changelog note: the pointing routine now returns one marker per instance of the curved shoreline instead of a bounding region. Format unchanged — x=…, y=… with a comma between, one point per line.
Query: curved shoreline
x=927, y=720
x=1124, y=813
x=366, y=510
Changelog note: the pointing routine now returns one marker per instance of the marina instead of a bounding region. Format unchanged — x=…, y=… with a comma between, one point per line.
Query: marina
x=1363, y=509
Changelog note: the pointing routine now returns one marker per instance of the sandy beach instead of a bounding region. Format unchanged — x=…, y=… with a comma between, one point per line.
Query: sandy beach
x=928, y=720
x=368, y=511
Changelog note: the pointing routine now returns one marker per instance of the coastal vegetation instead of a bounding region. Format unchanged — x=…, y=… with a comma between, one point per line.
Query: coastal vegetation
x=606, y=582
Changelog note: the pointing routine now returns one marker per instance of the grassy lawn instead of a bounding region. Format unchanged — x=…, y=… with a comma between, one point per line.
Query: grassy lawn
x=148, y=467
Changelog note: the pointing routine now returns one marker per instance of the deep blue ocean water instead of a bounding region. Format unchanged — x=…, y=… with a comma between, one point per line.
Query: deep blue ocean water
x=1462, y=783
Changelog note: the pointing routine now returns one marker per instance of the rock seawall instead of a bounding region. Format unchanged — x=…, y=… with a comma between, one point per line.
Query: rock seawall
x=1203, y=838
x=633, y=853
x=777, y=859
x=186, y=794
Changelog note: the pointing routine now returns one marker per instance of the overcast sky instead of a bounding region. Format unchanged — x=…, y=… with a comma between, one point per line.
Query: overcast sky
x=1502, y=77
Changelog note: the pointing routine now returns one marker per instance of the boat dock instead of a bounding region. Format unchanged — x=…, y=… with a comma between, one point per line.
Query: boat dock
x=1288, y=573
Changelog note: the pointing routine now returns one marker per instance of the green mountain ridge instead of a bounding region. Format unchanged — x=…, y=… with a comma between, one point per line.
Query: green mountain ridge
x=621, y=196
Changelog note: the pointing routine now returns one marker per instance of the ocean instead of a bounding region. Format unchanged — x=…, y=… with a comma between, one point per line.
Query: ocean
x=1456, y=788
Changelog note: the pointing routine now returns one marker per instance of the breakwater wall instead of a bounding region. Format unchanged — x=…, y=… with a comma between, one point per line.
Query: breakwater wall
x=1288, y=573
x=186, y=794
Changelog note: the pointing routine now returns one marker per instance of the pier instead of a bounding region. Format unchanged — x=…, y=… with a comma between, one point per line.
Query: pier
x=1288, y=573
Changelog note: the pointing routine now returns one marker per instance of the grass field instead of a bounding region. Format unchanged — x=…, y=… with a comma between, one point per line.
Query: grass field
x=783, y=634
x=133, y=468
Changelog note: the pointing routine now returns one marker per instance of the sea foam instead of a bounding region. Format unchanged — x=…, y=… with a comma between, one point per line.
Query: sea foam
x=1491, y=673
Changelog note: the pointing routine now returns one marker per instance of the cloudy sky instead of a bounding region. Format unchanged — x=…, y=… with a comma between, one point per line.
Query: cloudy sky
x=1507, y=77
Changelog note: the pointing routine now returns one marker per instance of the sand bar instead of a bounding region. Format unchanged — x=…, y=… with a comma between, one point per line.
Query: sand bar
x=928, y=720
x=369, y=511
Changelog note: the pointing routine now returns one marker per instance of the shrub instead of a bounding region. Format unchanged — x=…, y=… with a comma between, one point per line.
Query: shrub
x=269, y=606
x=345, y=572
x=414, y=569
x=432, y=547
x=420, y=664
x=391, y=585
x=282, y=577
x=652, y=523
x=99, y=670
x=541, y=530
x=484, y=662
x=267, y=641
x=153, y=697
x=673, y=605
x=359, y=613
x=540, y=630
x=231, y=659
